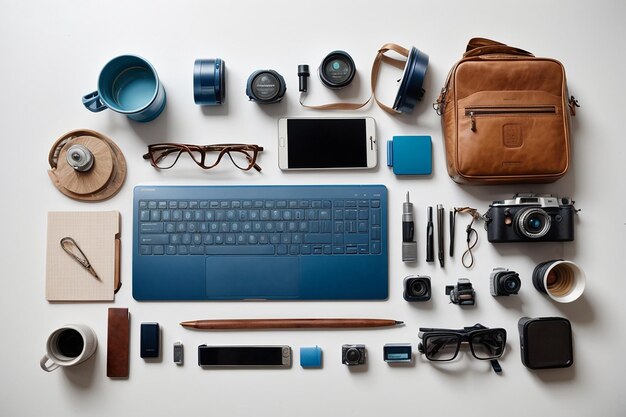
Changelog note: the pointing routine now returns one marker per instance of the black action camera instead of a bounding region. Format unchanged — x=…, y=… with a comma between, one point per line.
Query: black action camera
x=417, y=288
x=504, y=282
x=353, y=355
x=462, y=293
x=530, y=218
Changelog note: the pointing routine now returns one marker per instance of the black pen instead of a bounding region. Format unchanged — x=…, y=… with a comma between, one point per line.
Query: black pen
x=451, y=233
x=440, y=221
x=430, y=238
x=409, y=246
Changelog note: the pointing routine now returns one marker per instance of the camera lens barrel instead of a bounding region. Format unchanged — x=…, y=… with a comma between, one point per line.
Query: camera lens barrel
x=266, y=86
x=337, y=70
x=209, y=82
x=80, y=158
x=508, y=283
x=533, y=222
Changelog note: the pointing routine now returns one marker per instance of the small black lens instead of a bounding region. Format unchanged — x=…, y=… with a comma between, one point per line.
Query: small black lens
x=532, y=222
x=353, y=355
x=418, y=289
x=337, y=70
x=265, y=86
x=509, y=283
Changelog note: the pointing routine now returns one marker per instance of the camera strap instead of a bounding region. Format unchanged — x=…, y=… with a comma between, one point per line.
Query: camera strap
x=380, y=58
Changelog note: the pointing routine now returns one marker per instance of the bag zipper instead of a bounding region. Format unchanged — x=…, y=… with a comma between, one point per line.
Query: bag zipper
x=473, y=112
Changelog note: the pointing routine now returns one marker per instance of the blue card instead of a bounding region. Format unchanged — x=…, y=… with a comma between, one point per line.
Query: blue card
x=410, y=155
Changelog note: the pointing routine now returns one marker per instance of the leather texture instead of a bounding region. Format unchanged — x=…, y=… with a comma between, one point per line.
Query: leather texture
x=118, y=343
x=505, y=116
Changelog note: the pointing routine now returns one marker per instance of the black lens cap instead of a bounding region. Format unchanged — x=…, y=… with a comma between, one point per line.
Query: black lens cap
x=337, y=70
x=266, y=86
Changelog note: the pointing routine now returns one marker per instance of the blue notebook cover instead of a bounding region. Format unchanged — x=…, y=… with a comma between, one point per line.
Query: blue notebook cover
x=410, y=155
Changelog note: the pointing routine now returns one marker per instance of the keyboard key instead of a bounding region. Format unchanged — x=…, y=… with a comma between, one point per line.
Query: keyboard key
x=363, y=249
x=376, y=217
x=326, y=204
x=204, y=204
x=280, y=249
x=158, y=250
x=196, y=250
x=170, y=227
x=326, y=226
x=328, y=249
x=176, y=239
x=356, y=238
x=338, y=249
x=154, y=239
x=362, y=227
x=186, y=238
x=143, y=204
x=196, y=239
x=183, y=204
x=338, y=214
x=183, y=250
x=294, y=250
x=145, y=250
x=324, y=214
x=305, y=249
x=170, y=250
x=351, y=250
x=257, y=204
x=316, y=204
x=375, y=203
x=314, y=238
x=364, y=203
x=375, y=233
x=151, y=228
x=229, y=239
x=351, y=214
x=375, y=247
x=181, y=227
x=166, y=215
x=177, y=215
x=351, y=203
x=364, y=214
x=193, y=204
x=152, y=204
x=281, y=204
x=144, y=215
x=317, y=250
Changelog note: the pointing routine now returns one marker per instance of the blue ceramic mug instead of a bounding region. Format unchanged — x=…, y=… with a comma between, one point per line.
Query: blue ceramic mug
x=129, y=85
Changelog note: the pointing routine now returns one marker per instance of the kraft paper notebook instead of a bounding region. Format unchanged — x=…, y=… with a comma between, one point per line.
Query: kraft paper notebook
x=97, y=235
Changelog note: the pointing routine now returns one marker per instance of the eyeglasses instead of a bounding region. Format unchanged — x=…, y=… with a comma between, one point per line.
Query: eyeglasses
x=444, y=344
x=165, y=155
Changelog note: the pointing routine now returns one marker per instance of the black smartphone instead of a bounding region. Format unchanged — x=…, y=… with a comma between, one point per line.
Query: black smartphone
x=327, y=143
x=264, y=356
x=150, y=340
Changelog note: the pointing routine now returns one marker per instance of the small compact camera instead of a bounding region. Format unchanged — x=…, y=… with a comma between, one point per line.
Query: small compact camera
x=417, y=288
x=462, y=293
x=529, y=218
x=504, y=282
x=353, y=355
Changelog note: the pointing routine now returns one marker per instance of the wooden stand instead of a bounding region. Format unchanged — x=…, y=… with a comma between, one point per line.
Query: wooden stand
x=102, y=181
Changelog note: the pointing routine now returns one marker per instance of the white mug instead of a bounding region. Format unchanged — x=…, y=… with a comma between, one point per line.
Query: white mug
x=562, y=281
x=69, y=345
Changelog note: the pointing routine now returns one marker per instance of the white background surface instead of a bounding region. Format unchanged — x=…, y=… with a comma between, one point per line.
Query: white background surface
x=51, y=54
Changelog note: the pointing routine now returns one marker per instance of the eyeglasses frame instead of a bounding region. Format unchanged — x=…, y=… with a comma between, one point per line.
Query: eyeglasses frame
x=225, y=148
x=464, y=335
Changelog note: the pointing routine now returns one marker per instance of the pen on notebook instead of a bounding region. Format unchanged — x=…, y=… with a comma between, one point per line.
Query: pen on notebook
x=409, y=246
x=430, y=238
x=316, y=323
x=440, y=221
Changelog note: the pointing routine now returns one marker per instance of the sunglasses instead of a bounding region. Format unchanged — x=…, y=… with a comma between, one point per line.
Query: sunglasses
x=165, y=155
x=445, y=344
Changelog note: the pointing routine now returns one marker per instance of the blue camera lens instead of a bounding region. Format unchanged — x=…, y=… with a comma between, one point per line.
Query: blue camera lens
x=535, y=224
x=209, y=82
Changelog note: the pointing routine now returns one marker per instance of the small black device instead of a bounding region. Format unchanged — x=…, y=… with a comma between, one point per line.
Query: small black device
x=178, y=353
x=246, y=356
x=353, y=355
x=150, y=340
x=417, y=288
x=303, y=76
x=209, y=82
x=462, y=293
x=546, y=342
x=409, y=246
x=327, y=143
x=398, y=353
x=266, y=86
x=530, y=218
x=337, y=70
x=430, y=237
x=504, y=282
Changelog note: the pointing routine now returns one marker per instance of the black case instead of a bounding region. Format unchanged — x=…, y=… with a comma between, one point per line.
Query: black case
x=150, y=340
x=546, y=342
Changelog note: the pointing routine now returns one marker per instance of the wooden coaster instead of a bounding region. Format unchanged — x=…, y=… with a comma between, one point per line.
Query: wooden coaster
x=102, y=181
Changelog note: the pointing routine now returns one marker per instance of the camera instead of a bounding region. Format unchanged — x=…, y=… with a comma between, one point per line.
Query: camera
x=337, y=70
x=530, y=218
x=353, y=355
x=504, y=282
x=417, y=288
x=462, y=293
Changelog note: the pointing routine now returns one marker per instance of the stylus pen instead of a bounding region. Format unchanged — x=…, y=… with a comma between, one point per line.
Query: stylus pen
x=252, y=324
x=440, y=220
x=430, y=237
x=452, y=233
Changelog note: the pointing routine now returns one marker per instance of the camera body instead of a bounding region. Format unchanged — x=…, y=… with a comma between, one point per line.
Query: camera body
x=530, y=218
x=353, y=355
x=504, y=282
x=462, y=293
x=417, y=288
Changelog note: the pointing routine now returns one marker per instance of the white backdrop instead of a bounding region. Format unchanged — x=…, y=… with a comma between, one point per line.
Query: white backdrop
x=51, y=54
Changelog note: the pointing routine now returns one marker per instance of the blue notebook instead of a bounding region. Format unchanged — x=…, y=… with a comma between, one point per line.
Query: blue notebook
x=260, y=242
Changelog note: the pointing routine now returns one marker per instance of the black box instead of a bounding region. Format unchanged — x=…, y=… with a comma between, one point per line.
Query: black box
x=546, y=342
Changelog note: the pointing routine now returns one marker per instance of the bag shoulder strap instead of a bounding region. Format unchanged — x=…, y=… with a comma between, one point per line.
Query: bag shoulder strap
x=484, y=46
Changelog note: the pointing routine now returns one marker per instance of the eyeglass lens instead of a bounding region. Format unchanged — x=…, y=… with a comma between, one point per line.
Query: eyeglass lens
x=488, y=344
x=166, y=157
x=442, y=347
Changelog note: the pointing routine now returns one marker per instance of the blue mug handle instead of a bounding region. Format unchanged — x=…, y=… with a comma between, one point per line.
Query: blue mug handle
x=93, y=103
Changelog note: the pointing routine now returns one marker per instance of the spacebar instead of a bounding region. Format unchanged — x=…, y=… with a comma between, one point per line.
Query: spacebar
x=239, y=250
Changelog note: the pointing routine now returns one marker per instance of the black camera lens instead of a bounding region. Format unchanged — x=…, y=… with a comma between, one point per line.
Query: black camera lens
x=533, y=222
x=337, y=70
x=509, y=283
x=353, y=355
x=266, y=86
x=417, y=288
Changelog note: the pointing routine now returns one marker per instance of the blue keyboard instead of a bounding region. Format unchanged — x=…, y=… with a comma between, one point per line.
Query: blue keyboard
x=252, y=222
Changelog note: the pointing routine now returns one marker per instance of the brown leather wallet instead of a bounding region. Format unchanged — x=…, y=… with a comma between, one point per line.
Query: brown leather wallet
x=118, y=343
